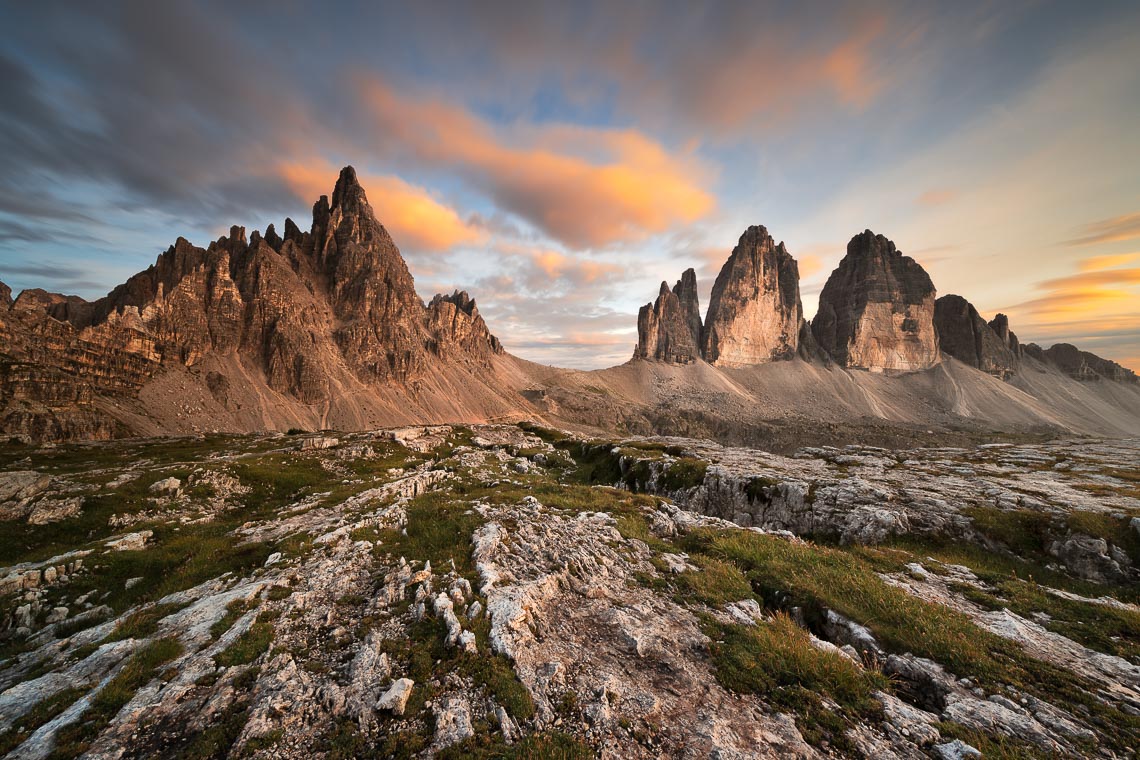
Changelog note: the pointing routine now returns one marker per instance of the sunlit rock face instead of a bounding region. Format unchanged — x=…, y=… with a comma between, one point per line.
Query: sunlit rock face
x=963, y=334
x=755, y=311
x=876, y=311
x=307, y=313
x=669, y=329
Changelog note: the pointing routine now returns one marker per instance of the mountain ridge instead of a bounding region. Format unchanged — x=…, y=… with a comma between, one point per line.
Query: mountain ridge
x=324, y=329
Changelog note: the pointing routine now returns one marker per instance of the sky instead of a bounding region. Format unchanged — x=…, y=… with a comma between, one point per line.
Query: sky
x=559, y=160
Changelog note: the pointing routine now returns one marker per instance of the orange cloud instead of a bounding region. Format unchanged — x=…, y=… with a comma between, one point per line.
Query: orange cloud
x=1096, y=305
x=1093, y=279
x=1107, y=262
x=412, y=216
x=809, y=265
x=585, y=186
x=849, y=67
x=1112, y=230
x=936, y=197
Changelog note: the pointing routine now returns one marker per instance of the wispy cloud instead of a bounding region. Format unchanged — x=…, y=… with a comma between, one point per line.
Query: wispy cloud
x=1113, y=230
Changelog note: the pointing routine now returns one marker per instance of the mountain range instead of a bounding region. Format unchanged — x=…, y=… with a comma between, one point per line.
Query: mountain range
x=323, y=329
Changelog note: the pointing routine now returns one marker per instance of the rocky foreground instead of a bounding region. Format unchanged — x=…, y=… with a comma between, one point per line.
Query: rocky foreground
x=511, y=591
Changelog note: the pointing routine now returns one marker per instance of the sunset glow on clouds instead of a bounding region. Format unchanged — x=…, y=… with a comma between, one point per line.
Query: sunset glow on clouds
x=559, y=161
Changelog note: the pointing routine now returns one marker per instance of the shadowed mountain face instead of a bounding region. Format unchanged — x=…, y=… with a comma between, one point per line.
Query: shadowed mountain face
x=877, y=309
x=967, y=337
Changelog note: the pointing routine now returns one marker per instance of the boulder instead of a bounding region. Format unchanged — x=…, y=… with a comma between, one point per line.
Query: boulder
x=669, y=329
x=18, y=489
x=877, y=309
x=754, y=312
x=395, y=699
x=47, y=511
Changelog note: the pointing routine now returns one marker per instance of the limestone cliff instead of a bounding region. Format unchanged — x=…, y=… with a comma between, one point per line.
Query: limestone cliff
x=669, y=329
x=1000, y=325
x=754, y=311
x=877, y=309
x=963, y=334
x=308, y=314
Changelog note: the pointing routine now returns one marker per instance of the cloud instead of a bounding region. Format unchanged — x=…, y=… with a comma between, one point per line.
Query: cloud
x=411, y=214
x=1097, y=308
x=932, y=198
x=585, y=186
x=1107, y=262
x=1113, y=230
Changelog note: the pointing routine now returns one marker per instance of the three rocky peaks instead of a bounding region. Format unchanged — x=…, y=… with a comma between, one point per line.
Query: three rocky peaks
x=878, y=311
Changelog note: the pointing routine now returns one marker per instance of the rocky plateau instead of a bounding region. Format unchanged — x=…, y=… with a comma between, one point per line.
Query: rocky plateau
x=520, y=591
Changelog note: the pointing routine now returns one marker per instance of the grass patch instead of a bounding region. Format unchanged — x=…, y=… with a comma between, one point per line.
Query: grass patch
x=75, y=739
x=777, y=661
x=548, y=745
x=250, y=645
x=144, y=623
x=1026, y=532
x=817, y=578
x=683, y=473
x=717, y=582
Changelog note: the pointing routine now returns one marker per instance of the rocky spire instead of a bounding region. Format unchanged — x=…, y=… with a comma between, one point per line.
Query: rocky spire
x=669, y=329
x=754, y=312
x=963, y=334
x=5, y=296
x=1000, y=325
x=877, y=309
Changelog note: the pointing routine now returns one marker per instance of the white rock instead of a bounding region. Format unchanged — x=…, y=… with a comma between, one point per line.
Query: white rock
x=130, y=542
x=395, y=699
x=167, y=486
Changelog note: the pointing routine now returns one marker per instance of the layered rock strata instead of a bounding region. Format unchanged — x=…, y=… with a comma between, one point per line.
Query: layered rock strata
x=754, y=312
x=669, y=329
x=877, y=309
x=309, y=312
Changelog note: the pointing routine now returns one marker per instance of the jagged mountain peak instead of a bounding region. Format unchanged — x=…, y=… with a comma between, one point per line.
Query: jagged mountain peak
x=754, y=310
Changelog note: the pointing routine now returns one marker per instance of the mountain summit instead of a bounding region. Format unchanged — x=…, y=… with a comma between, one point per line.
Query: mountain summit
x=314, y=328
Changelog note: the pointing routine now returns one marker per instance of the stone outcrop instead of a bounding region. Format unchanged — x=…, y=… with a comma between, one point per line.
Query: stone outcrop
x=877, y=309
x=310, y=312
x=1082, y=365
x=1000, y=325
x=669, y=329
x=963, y=334
x=5, y=296
x=754, y=312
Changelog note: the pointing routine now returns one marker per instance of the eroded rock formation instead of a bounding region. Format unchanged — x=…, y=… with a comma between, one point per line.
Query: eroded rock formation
x=963, y=334
x=669, y=329
x=877, y=309
x=1082, y=365
x=754, y=311
x=1000, y=325
x=309, y=312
